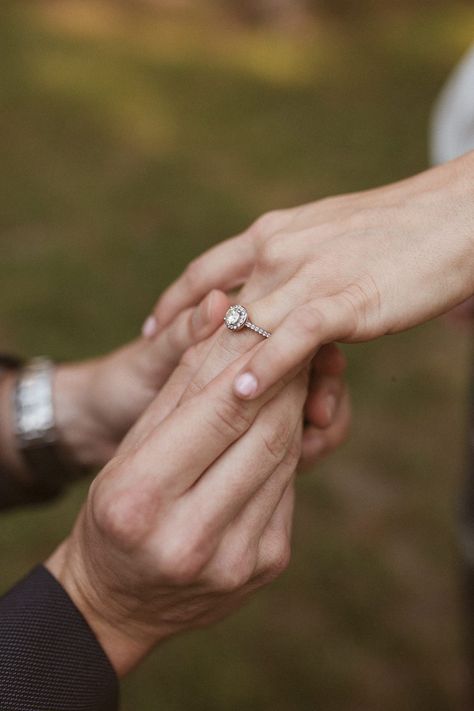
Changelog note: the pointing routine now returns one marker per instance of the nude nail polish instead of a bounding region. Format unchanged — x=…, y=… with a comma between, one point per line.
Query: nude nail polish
x=245, y=385
x=149, y=327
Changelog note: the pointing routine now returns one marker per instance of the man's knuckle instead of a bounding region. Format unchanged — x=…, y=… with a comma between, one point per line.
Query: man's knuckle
x=180, y=562
x=276, y=441
x=229, y=578
x=123, y=518
x=231, y=417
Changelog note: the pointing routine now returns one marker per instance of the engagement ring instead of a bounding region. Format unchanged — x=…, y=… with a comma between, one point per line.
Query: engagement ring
x=237, y=317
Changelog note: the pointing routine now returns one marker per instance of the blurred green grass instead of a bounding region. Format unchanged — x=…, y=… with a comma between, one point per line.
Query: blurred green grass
x=130, y=141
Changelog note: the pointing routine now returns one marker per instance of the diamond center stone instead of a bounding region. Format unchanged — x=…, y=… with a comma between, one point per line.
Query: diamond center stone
x=235, y=317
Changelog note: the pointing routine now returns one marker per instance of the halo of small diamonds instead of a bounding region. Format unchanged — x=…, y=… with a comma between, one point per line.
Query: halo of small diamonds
x=236, y=317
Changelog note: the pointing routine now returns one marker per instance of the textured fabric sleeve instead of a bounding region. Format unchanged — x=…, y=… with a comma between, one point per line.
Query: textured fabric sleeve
x=14, y=493
x=50, y=659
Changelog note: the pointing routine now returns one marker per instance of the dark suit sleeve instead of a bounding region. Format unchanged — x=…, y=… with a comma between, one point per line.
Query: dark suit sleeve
x=50, y=659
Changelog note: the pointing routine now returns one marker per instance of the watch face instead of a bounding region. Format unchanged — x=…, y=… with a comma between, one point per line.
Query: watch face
x=34, y=410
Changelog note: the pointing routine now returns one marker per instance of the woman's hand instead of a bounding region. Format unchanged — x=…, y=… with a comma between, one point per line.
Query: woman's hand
x=192, y=515
x=349, y=268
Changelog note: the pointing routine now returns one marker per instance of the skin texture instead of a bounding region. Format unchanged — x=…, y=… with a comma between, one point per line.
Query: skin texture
x=349, y=268
x=358, y=267
x=97, y=401
x=194, y=513
x=464, y=313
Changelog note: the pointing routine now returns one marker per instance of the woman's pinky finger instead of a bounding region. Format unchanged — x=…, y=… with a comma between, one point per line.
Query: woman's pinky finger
x=294, y=342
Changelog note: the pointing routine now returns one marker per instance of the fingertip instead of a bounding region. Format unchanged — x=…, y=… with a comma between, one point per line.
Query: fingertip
x=150, y=327
x=246, y=386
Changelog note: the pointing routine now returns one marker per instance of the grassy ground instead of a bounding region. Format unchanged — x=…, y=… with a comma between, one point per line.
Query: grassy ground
x=131, y=141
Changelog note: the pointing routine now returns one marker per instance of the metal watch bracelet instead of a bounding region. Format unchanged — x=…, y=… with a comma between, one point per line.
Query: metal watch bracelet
x=35, y=428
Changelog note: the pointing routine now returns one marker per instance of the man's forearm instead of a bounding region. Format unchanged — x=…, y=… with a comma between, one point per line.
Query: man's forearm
x=49, y=656
x=15, y=480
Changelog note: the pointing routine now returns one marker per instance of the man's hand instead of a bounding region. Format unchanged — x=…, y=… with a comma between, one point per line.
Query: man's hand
x=192, y=515
x=97, y=401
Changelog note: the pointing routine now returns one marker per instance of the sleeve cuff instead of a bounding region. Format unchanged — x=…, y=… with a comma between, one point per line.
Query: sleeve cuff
x=50, y=659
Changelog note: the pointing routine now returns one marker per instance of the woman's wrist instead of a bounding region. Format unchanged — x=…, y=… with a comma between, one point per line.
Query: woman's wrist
x=457, y=240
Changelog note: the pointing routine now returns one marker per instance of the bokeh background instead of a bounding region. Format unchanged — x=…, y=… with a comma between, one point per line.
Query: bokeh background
x=133, y=135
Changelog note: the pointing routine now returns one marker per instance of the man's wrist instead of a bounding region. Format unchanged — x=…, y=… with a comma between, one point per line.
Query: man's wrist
x=124, y=646
x=77, y=428
x=10, y=457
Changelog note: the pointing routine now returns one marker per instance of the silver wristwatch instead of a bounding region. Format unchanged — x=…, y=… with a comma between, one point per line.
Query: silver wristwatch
x=35, y=428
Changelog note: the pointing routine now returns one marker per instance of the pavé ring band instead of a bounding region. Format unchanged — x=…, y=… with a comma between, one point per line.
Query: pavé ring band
x=237, y=318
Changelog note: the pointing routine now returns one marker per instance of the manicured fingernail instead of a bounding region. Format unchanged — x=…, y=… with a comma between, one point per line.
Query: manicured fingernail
x=331, y=404
x=150, y=327
x=245, y=385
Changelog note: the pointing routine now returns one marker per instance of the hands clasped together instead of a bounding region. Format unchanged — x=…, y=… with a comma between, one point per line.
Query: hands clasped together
x=193, y=511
